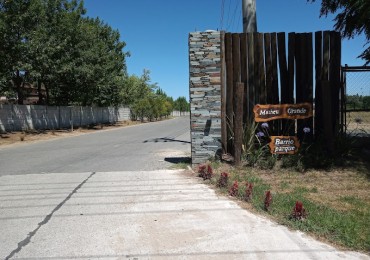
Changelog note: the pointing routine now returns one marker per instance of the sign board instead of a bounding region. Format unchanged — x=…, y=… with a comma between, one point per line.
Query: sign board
x=284, y=144
x=264, y=113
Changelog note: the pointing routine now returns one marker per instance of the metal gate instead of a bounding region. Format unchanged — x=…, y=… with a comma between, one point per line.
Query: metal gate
x=356, y=105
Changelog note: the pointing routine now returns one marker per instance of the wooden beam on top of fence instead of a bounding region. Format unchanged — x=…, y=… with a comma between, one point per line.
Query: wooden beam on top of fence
x=291, y=73
x=261, y=69
x=275, y=81
x=268, y=66
x=334, y=76
x=309, y=79
x=318, y=92
x=244, y=73
x=223, y=96
x=238, y=125
x=251, y=68
x=229, y=84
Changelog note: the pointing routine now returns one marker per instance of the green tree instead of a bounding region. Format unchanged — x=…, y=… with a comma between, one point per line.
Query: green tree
x=79, y=60
x=181, y=104
x=353, y=18
x=17, y=19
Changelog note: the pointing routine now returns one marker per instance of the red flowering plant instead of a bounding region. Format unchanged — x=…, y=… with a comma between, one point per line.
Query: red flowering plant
x=205, y=171
x=223, y=180
x=248, y=191
x=299, y=212
x=268, y=200
x=233, y=191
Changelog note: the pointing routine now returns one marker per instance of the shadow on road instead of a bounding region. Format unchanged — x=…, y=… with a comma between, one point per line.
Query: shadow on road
x=178, y=160
x=165, y=140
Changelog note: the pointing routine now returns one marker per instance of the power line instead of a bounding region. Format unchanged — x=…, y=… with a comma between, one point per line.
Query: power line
x=231, y=24
x=222, y=14
x=234, y=15
x=228, y=16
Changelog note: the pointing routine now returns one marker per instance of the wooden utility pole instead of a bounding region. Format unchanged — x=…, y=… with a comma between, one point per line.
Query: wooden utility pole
x=249, y=16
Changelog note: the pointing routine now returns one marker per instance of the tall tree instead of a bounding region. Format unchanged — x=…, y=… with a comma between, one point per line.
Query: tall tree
x=352, y=19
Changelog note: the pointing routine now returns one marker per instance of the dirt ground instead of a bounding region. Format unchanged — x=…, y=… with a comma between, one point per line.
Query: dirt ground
x=14, y=138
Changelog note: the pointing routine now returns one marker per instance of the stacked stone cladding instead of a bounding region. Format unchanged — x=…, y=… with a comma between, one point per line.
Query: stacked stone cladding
x=205, y=94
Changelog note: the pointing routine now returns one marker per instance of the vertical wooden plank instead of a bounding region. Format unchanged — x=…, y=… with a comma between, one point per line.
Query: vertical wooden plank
x=327, y=116
x=238, y=125
x=291, y=74
x=303, y=97
x=309, y=79
x=236, y=74
x=318, y=89
x=326, y=56
x=243, y=57
x=223, y=96
x=275, y=81
x=274, y=64
x=334, y=77
x=257, y=87
x=244, y=73
x=299, y=53
x=261, y=69
x=268, y=66
x=229, y=85
x=283, y=68
x=328, y=135
x=251, y=94
x=283, y=78
x=291, y=70
x=236, y=58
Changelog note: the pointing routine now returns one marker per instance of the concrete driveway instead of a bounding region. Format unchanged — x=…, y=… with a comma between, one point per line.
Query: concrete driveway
x=164, y=214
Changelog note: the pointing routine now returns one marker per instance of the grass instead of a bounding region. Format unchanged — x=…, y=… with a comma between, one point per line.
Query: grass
x=337, y=201
x=358, y=121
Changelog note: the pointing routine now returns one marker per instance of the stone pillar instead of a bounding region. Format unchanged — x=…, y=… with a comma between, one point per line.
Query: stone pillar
x=205, y=94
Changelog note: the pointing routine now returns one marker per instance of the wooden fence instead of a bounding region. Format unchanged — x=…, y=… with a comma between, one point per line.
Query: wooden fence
x=271, y=68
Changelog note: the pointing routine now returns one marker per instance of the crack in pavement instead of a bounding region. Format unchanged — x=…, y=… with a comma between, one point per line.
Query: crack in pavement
x=27, y=240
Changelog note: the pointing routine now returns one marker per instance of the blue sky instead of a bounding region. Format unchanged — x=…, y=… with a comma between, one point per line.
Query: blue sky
x=156, y=32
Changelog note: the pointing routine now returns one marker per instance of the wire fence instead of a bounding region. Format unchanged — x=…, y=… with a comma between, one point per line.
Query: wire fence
x=357, y=99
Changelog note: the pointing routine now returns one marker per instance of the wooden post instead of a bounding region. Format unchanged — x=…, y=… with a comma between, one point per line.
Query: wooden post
x=327, y=115
x=318, y=90
x=244, y=73
x=238, y=124
x=229, y=84
x=284, y=80
x=309, y=80
x=334, y=76
x=251, y=85
x=275, y=81
x=223, y=96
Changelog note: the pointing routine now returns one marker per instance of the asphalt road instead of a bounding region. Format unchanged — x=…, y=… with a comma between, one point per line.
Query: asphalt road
x=148, y=146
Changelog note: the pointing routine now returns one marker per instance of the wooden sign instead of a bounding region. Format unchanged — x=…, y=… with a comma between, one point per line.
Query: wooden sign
x=284, y=144
x=264, y=113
